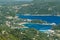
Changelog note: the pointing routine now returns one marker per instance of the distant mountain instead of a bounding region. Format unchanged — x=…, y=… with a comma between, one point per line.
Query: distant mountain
x=29, y=0
x=47, y=0
x=13, y=0
x=5, y=0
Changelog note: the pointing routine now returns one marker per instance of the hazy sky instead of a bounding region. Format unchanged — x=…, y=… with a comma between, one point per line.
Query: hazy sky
x=15, y=0
x=23, y=0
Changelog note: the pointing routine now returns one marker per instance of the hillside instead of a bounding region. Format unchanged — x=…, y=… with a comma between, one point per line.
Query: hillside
x=9, y=20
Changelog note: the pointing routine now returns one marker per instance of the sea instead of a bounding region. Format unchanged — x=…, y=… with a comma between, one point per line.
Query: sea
x=49, y=19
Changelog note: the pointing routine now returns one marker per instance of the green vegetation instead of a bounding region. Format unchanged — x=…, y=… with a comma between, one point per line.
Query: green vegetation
x=38, y=21
x=57, y=27
x=10, y=10
x=17, y=34
x=37, y=7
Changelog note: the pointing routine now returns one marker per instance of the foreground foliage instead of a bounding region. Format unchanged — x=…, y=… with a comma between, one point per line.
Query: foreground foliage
x=21, y=34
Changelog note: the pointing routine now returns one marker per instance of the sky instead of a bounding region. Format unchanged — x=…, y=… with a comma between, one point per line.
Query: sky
x=23, y=0
x=15, y=0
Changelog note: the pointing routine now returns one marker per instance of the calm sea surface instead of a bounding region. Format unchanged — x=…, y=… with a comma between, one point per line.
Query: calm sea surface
x=49, y=19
